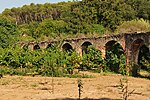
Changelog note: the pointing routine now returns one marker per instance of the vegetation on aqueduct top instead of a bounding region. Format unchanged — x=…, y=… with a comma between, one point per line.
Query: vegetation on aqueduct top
x=86, y=18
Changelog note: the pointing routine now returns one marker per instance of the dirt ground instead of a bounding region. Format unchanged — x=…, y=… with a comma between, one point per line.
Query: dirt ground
x=101, y=87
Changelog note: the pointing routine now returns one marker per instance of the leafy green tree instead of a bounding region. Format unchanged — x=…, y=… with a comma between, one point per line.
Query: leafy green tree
x=92, y=60
x=141, y=7
x=115, y=59
x=48, y=27
x=7, y=32
x=28, y=30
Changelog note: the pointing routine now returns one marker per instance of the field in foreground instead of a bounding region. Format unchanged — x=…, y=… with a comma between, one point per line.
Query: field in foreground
x=99, y=87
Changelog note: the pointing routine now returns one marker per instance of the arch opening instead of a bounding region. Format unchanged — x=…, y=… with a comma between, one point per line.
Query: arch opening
x=85, y=46
x=114, y=47
x=115, y=57
x=134, y=56
x=144, y=57
x=49, y=46
x=36, y=47
x=67, y=47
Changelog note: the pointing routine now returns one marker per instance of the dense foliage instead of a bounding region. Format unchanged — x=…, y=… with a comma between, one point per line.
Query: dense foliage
x=36, y=22
x=86, y=16
x=42, y=62
x=92, y=60
x=144, y=58
x=53, y=61
x=116, y=60
x=7, y=32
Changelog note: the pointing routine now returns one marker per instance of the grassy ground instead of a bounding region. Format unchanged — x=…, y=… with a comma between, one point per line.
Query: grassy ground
x=100, y=87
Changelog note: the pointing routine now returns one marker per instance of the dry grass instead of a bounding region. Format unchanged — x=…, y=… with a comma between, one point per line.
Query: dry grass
x=98, y=88
x=139, y=25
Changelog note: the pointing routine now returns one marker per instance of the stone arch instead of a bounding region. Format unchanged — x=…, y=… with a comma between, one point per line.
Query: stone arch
x=36, y=47
x=117, y=52
x=135, y=48
x=67, y=47
x=84, y=46
x=143, y=53
x=49, y=46
x=110, y=43
x=43, y=44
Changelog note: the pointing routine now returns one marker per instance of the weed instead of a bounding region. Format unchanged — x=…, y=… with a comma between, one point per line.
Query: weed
x=124, y=86
x=34, y=85
x=80, y=86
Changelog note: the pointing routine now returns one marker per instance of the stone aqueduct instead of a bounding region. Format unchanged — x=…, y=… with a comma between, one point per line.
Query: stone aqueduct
x=130, y=43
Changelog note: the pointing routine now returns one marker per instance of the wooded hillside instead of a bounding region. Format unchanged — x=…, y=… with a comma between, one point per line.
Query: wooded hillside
x=72, y=19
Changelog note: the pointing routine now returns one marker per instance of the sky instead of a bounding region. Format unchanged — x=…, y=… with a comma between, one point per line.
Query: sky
x=18, y=3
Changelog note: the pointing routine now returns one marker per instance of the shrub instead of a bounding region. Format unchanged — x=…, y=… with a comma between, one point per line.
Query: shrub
x=116, y=60
x=92, y=59
x=138, y=25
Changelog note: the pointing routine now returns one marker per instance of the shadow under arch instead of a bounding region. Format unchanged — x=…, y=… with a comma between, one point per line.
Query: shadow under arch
x=109, y=44
x=112, y=44
x=67, y=47
x=49, y=46
x=85, y=46
x=36, y=47
x=144, y=54
x=115, y=56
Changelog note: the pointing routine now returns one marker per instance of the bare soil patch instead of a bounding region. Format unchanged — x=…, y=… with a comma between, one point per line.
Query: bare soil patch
x=101, y=87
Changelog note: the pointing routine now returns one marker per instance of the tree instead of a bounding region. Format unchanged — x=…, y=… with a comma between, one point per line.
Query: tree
x=7, y=31
x=141, y=8
x=115, y=59
x=51, y=27
x=92, y=59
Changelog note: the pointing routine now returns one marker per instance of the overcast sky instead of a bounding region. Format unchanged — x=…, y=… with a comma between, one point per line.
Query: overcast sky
x=18, y=3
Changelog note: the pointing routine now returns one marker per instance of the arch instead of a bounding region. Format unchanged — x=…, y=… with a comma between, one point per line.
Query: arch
x=84, y=46
x=36, y=47
x=111, y=43
x=43, y=44
x=67, y=47
x=143, y=55
x=135, y=48
x=49, y=46
x=115, y=56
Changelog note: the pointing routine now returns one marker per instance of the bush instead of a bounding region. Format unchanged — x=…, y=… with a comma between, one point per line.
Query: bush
x=139, y=25
x=92, y=60
x=116, y=60
x=53, y=62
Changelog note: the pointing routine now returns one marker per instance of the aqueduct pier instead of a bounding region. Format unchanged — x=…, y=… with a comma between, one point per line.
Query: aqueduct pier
x=130, y=43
